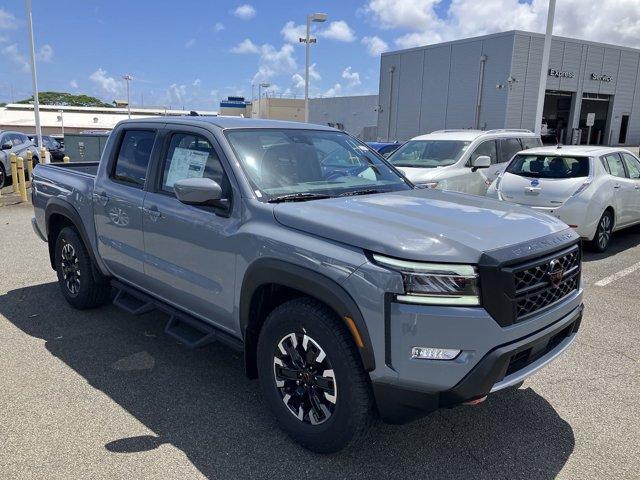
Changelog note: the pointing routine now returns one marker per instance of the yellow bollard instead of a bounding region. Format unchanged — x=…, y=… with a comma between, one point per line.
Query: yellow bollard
x=66, y=159
x=21, y=183
x=30, y=165
x=14, y=172
x=43, y=155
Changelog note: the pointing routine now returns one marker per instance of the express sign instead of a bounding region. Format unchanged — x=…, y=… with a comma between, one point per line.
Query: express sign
x=561, y=74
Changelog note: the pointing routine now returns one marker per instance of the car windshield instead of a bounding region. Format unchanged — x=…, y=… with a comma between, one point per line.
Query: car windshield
x=428, y=153
x=297, y=164
x=553, y=166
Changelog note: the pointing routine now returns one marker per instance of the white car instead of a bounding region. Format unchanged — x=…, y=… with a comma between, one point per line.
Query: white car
x=461, y=160
x=594, y=190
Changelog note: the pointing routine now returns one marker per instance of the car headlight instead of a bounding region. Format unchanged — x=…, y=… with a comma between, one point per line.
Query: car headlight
x=435, y=283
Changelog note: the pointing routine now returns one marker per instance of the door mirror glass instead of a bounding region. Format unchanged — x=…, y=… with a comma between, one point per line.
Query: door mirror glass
x=199, y=191
x=482, y=161
x=7, y=146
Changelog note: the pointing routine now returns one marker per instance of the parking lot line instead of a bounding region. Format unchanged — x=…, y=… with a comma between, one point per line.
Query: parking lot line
x=622, y=273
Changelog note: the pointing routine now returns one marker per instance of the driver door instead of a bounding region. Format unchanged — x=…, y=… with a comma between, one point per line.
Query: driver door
x=478, y=182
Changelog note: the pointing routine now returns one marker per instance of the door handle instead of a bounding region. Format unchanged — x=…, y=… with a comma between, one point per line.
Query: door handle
x=616, y=187
x=152, y=212
x=102, y=198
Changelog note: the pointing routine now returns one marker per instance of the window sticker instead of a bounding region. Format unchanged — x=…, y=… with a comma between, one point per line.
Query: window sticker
x=186, y=163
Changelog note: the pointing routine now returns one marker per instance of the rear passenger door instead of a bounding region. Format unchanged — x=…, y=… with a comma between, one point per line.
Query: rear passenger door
x=623, y=190
x=117, y=202
x=190, y=250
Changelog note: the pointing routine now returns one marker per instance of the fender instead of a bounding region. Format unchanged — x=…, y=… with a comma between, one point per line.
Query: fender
x=267, y=270
x=62, y=207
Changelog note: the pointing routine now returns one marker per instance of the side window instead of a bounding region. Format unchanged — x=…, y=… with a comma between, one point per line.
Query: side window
x=488, y=149
x=616, y=168
x=633, y=166
x=508, y=148
x=191, y=156
x=530, y=142
x=133, y=157
x=15, y=139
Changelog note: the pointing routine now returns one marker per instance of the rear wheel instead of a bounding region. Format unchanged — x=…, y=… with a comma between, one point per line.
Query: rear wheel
x=312, y=377
x=75, y=271
x=3, y=176
x=603, y=234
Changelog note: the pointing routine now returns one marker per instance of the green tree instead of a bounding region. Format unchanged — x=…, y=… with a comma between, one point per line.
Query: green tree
x=68, y=99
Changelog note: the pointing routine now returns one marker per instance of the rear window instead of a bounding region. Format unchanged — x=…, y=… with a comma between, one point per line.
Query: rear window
x=542, y=166
x=133, y=157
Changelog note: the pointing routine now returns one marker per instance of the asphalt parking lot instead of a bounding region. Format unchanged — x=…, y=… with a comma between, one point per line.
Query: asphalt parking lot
x=101, y=394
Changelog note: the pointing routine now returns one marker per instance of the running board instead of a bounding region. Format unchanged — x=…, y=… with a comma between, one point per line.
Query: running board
x=187, y=329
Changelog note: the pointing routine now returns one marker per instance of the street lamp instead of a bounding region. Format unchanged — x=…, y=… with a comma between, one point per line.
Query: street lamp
x=260, y=87
x=34, y=77
x=127, y=78
x=61, y=118
x=319, y=18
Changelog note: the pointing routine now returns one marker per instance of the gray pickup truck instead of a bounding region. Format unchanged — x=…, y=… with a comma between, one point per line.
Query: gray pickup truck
x=352, y=294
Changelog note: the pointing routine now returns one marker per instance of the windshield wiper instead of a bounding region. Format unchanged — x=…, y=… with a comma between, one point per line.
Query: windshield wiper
x=298, y=197
x=367, y=191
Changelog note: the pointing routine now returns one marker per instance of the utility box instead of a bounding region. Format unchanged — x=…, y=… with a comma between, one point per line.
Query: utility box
x=85, y=146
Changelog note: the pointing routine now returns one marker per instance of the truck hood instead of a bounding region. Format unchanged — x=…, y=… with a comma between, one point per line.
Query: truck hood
x=427, y=225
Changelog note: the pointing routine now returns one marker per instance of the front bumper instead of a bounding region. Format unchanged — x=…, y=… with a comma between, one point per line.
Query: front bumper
x=501, y=367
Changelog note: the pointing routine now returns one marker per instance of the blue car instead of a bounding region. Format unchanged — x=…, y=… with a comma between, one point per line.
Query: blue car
x=384, y=148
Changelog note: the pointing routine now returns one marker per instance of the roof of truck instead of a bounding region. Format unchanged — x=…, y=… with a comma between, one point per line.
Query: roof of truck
x=584, y=150
x=225, y=122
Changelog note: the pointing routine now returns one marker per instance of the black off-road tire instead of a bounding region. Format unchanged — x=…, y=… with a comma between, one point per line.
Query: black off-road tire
x=602, y=238
x=3, y=177
x=353, y=410
x=73, y=261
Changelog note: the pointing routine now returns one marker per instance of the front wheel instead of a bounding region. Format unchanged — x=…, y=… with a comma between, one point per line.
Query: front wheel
x=312, y=376
x=3, y=176
x=76, y=274
x=602, y=238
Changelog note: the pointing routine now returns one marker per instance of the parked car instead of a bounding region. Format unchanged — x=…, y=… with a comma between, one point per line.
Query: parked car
x=56, y=150
x=349, y=294
x=461, y=160
x=384, y=148
x=594, y=190
x=13, y=142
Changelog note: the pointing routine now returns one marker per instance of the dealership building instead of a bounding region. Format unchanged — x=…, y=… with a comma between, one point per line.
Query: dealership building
x=592, y=89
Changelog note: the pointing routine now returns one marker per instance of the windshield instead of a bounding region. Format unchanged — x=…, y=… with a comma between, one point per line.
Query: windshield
x=307, y=163
x=542, y=166
x=428, y=153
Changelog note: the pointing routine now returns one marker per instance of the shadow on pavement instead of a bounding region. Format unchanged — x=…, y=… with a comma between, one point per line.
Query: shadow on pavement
x=620, y=241
x=201, y=402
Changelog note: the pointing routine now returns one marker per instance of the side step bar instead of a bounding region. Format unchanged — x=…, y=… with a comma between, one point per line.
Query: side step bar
x=185, y=328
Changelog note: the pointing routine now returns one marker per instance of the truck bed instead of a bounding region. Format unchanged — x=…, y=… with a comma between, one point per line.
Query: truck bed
x=87, y=168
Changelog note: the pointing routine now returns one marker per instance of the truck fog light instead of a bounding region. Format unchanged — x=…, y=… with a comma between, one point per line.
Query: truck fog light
x=430, y=353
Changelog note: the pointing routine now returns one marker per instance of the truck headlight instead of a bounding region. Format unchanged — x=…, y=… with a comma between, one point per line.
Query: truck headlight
x=435, y=283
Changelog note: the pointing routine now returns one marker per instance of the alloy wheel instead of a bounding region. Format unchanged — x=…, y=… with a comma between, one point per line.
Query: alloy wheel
x=70, y=268
x=604, y=232
x=305, y=378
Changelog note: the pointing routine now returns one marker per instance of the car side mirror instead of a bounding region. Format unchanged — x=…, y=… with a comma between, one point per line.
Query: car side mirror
x=482, y=161
x=200, y=191
x=7, y=146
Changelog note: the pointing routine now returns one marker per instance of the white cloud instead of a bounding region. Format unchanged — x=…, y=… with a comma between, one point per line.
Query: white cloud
x=15, y=56
x=246, y=46
x=610, y=21
x=45, y=54
x=108, y=84
x=334, y=91
x=292, y=32
x=73, y=84
x=196, y=82
x=274, y=62
x=245, y=12
x=218, y=27
x=298, y=79
x=7, y=20
x=4, y=39
x=339, y=31
x=177, y=93
x=352, y=78
x=190, y=43
x=375, y=45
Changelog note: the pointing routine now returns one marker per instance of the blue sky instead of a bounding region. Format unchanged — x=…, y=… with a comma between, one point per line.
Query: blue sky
x=192, y=53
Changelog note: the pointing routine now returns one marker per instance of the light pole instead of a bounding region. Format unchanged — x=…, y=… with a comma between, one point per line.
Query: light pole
x=314, y=17
x=127, y=78
x=61, y=112
x=260, y=87
x=34, y=77
x=545, y=66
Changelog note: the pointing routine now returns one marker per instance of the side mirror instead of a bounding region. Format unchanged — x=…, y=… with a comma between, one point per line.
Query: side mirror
x=200, y=191
x=482, y=161
x=7, y=146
